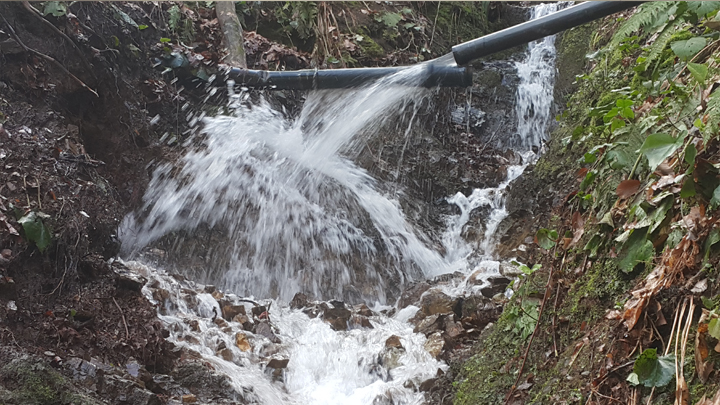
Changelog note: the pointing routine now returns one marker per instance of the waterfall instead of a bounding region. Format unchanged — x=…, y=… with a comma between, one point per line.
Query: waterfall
x=297, y=212
x=288, y=210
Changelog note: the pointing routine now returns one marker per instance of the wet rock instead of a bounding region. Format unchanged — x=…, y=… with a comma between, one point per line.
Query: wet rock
x=430, y=324
x=337, y=315
x=194, y=325
x=363, y=310
x=263, y=329
x=192, y=375
x=299, y=301
x=412, y=295
x=241, y=341
x=226, y=354
x=435, y=344
x=427, y=385
x=220, y=322
x=127, y=391
x=161, y=295
x=245, y=321
x=259, y=311
x=453, y=329
x=278, y=363
x=230, y=311
x=510, y=271
x=393, y=342
x=479, y=311
x=359, y=321
x=498, y=284
x=128, y=280
x=436, y=302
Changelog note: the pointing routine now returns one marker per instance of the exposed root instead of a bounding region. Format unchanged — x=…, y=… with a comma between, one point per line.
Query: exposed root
x=48, y=58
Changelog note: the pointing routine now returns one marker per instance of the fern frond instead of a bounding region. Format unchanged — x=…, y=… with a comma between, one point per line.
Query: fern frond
x=647, y=15
x=661, y=42
x=713, y=116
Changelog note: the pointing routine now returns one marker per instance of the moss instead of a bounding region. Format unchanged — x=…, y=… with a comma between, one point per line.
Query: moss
x=603, y=282
x=368, y=46
x=30, y=382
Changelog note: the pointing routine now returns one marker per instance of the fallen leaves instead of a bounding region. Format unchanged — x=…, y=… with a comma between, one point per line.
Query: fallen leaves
x=627, y=188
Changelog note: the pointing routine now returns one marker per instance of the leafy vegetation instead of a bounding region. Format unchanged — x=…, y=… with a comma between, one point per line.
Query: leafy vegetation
x=641, y=134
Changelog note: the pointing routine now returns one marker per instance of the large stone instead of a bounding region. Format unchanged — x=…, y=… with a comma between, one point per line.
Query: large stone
x=299, y=301
x=430, y=324
x=278, y=363
x=128, y=280
x=241, y=341
x=435, y=344
x=412, y=295
x=498, y=284
x=230, y=311
x=393, y=342
x=337, y=315
x=359, y=321
x=263, y=329
x=510, y=271
x=436, y=302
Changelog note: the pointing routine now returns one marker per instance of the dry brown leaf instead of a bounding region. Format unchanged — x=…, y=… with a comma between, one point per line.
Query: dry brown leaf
x=578, y=224
x=627, y=188
x=703, y=367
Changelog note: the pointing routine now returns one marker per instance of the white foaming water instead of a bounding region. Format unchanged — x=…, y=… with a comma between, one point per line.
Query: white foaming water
x=535, y=91
x=300, y=215
x=326, y=367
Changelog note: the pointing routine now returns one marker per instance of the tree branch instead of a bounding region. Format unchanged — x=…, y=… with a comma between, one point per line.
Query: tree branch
x=232, y=33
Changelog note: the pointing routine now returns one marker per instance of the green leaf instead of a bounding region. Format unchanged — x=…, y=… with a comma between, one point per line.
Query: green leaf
x=654, y=371
x=636, y=250
x=657, y=147
x=546, y=238
x=715, y=200
x=713, y=238
x=142, y=27
x=391, y=19
x=688, y=48
x=164, y=40
x=589, y=157
x=623, y=103
x=35, y=230
x=699, y=71
x=56, y=8
x=708, y=303
x=627, y=113
x=688, y=188
x=714, y=328
x=690, y=154
x=616, y=124
x=593, y=245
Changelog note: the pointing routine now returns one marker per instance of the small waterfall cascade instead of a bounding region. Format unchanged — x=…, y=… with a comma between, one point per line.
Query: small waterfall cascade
x=297, y=214
x=534, y=97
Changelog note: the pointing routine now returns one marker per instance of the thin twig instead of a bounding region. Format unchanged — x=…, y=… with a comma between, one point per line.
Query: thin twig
x=46, y=57
x=127, y=334
x=557, y=294
x=50, y=25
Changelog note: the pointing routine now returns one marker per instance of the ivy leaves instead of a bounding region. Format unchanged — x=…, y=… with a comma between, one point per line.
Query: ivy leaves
x=658, y=147
x=652, y=370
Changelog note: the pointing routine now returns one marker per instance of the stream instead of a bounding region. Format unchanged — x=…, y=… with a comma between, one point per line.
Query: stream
x=297, y=214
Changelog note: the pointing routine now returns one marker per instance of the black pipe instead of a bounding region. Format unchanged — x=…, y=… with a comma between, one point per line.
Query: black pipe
x=435, y=76
x=533, y=30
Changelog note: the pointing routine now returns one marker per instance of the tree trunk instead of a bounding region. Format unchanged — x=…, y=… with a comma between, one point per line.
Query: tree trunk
x=232, y=33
